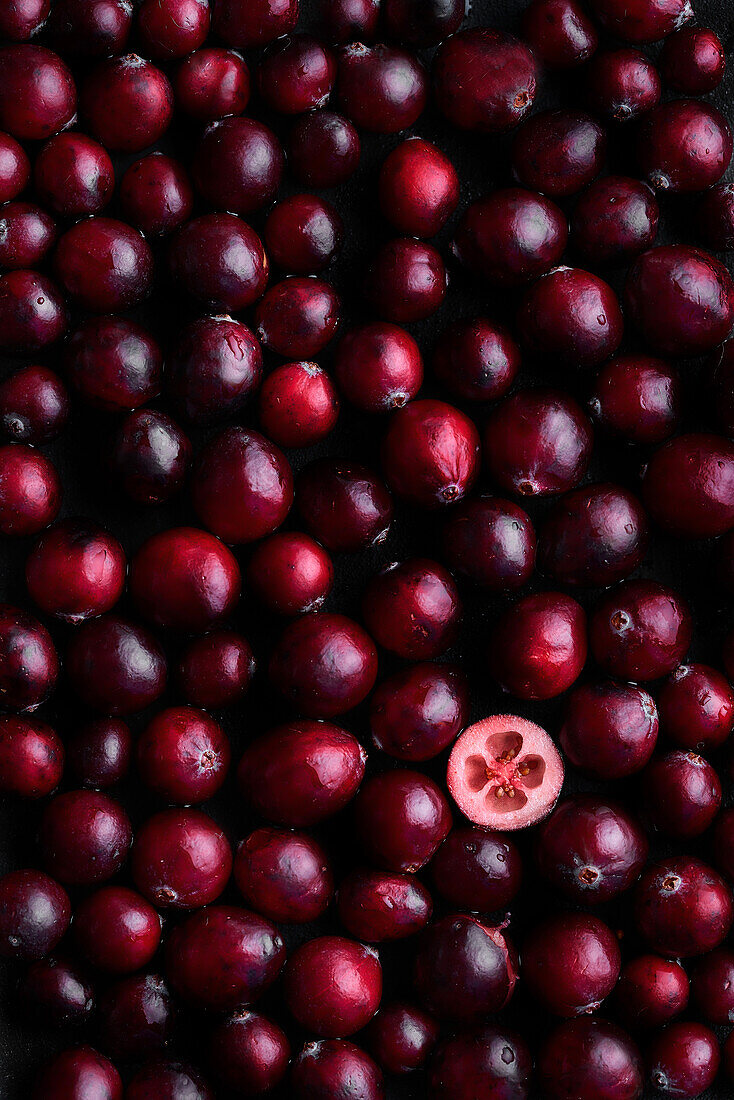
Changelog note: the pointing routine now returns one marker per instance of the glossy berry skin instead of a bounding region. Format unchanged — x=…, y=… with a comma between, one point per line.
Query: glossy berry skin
x=115, y=666
x=114, y=363
x=53, y=992
x=332, y=985
x=168, y=1081
x=538, y=648
x=298, y=405
x=684, y=146
x=624, y=722
x=590, y=1059
x=91, y=28
x=181, y=859
x=298, y=317
x=715, y=218
x=693, y=61
x=249, y=1053
x=223, y=957
x=216, y=670
x=682, y=793
x=406, y=280
x=173, y=29
x=418, y=188
x=184, y=579
x=380, y=88
x=150, y=456
x=242, y=486
x=117, y=930
x=300, y=774
x=296, y=75
x=712, y=985
x=511, y=237
x=651, y=991
x=344, y=505
x=324, y=664
x=84, y=837
x=183, y=755
x=30, y=490
x=637, y=397
x=23, y=19
x=213, y=369
x=237, y=165
x=571, y=963
x=558, y=152
x=378, y=367
x=498, y=1058
x=484, y=80
x=401, y=1037
x=73, y=175
x=303, y=234
x=683, y=907
x=290, y=573
x=464, y=969
x=640, y=631
x=323, y=149
x=683, y=1060
x=350, y=20
x=34, y=405
x=642, y=21
x=622, y=85
x=26, y=235
x=476, y=359
x=283, y=875
x=688, y=486
x=34, y=914
x=99, y=753
x=420, y=25
x=417, y=712
x=127, y=102
x=401, y=819
x=212, y=83
x=477, y=870
x=76, y=571
x=220, y=261
x=332, y=1069
x=594, y=536
x=375, y=906
x=590, y=850
x=246, y=23
x=136, y=1016
x=560, y=33
x=79, y=1072
x=413, y=609
x=29, y=663
x=156, y=195
x=104, y=265
x=430, y=454
x=572, y=316
x=696, y=707
x=31, y=757
x=15, y=168
x=32, y=312
x=614, y=220
x=38, y=94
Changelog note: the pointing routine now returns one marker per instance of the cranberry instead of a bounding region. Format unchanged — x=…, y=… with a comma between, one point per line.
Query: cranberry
x=715, y=218
x=464, y=969
x=593, y=536
x=637, y=397
x=683, y=907
x=640, y=631
x=215, y=366
x=696, y=705
x=76, y=571
x=418, y=711
x=683, y=1060
x=324, y=664
x=23, y=19
x=34, y=914
x=291, y=573
x=413, y=609
x=284, y=876
x=31, y=757
x=538, y=647
x=609, y=730
x=167, y=1081
x=572, y=316
x=418, y=24
x=537, y=442
x=116, y=666
x=37, y=92
x=296, y=75
x=238, y=165
x=344, y=505
x=381, y=88
x=476, y=359
x=245, y=23
x=242, y=486
x=431, y=453
x=29, y=664
x=571, y=963
x=350, y=20
x=484, y=80
x=560, y=32
x=250, y=1053
x=693, y=61
x=401, y=819
x=499, y=1059
x=558, y=152
x=174, y=28
x=298, y=317
x=683, y=793
x=117, y=930
x=84, y=837
x=332, y=1069
x=212, y=83
x=155, y=195
x=590, y=1060
x=73, y=175
x=34, y=405
x=223, y=957
x=377, y=906
x=30, y=490
x=99, y=752
x=477, y=870
x=91, y=28
x=324, y=149
x=418, y=187
x=127, y=103
x=333, y=985
x=684, y=146
x=298, y=405
x=181, y=859
x=379, y=367
x=651, y=991
x=401, y=1037
x=615, y=220
x=713, y=986
x=622, y=85
x=32, y=313
x=183, y=755
x=406, y=280
x=302, y=773
x=216, y=670
x=15, y=168
x=55, y=992
x=689, y=486
x=303, y=234
x=136, y=1016
x=150, y=456
x=642, y=20
x=104, y=265
x=114, y=363
x=26, y=234
x=511, y=237
x=78, y=1073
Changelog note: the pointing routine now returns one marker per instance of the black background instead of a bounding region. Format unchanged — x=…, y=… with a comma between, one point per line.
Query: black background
x=80, y=455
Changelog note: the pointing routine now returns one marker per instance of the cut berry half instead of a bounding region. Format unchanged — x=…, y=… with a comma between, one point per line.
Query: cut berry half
x=505, y=773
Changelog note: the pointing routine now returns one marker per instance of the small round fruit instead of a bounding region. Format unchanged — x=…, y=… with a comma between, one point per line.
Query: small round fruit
x=464, y=969
x=538, y=648
x=333, y=986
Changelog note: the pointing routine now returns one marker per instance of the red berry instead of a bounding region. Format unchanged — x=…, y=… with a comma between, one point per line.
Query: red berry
x=560, y=33
x=538, y=648
x=34, y=405
x=376, y=906
x=333, y=985
x=683, y=907
x=401, y=1037
x=464, y=969
x=406, y=280
x=127, y=103
x=296, y=75
x=30, y=490
x=238, y=165
x=284, y=875
x=637, y=397
x=34, y=914
x=183, y=755
x=344, y=505
x=642, y=20
x=303, y=234
x=37, y=92
x=484, y=80
x=117, y=930
x=572, y=316
x=693, y=61
x=696, y=706
x=219, y=260
x=324, y=1069
x=417, y=712
x=640, y=631
x=477, y=870
x=216, y=670
x=181, y=859
x=212, y=83
x=298, y=405
x=29, y=663
x=614, y=220
x=214, y=368
x=84, y=837
x=31, y=757
x=558, y=152
x=381, y=88
x=378, y=367
x=401, y=819
x=418, y=188
x=173, y=28
x=156, y=195
x=651, y=991
x=324, y=149
x=76, y=571
x=609, y=730
x=684, y=146
x=622, y=85
x=590, y=1059
x=104, y=265
x=413, y=609
x=245, y=23
x=249, y=1053
x=291, y=573
x=298, y=317
x=477, y=360
x=431, y=453
x=115, y=666
x=683, y=1060
x=150, y=456
x=571, y=963
x=682, y=793
x=78, y=1072
x=99, y=752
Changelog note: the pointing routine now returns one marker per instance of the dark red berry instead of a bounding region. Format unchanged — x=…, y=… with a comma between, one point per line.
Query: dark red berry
x=420, y=24
x=238, y=165
x=682, y=793
x=174, y=28
x=413, y=609
x=375, y=906
x=688, y=486
x=104, y=265
x=303, y=234
x=560, y=33
x=406, y=280
x=115, y=666
x=614, y=220
x=401, y=818
x=127, y=102
x=323, y=149
x=476, y=359
x=212, y=83
x=538, y=648
x=497, y=1058
x=332, y=985
x=34, y=405
x=418, y=188
x=334, y=1068
x=693, y=61
x=297, y=74
x=167, y=1081
x=84, y=837
x=150, y=456
x=26, y=234
x=401, y=1037
x=29, y=663
x=54, y=992
x=298, y=317
x=291, y=573
x=572, y=316
x=23, y=19
x=220, y=261
x=344, y=505
x=30, y=490
x=216, y=670
x=37, y=92
x=431, y=453
x=34, y=914
x=609, y=730
x=99, y=753
x=477, y=870
x=183, y=755
x=696, y=706
x=622, y=85
x=683, y=1060
x=416, y=713
x=73, y=175
x=464, y=969
x=31, y=757
x=246, y=23
x=684, y=146
x=381, y=88
x=683, y=907
x=558, y=152
x=640, y=631
x=715, y=217
x=284, y=875
x=76, y=571
x=378, y=367
x=589, y=1059
x=712, y=986
x=571, y=963
x=350, y=20
x=642, y=20
x=637, y=397
x=484, y=80
x=249, y=1053
x=117, y=930
x=136, y=1016
x=15, y=168
x=651, y=991
x=156, y=195
x=214, y=368
x=32, y=312
x=91, y=28
x=181, y=859
x=78, y=1072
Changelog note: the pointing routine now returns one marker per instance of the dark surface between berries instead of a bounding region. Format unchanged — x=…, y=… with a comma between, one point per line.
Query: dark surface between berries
x=483, y=164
